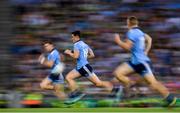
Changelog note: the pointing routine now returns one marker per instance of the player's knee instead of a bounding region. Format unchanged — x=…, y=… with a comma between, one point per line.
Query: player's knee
x=118, y=73
x=42, y=86
x=56, y=90
x=115, y=73
x=98, y=84
x=68, y=78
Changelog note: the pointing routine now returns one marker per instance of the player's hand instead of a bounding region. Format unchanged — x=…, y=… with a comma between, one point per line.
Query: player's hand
x=68, y=51
x=117, y=38
x=41, y=59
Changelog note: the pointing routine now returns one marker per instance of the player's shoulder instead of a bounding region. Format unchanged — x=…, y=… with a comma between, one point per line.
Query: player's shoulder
x=135, y=31
x=54, y=52
x=79, y=43
x=131, y=31
x=84, y=44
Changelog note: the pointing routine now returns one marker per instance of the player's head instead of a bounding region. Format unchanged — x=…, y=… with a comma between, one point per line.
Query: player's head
x=48, y=45
x=75, y=36
x=132, y=21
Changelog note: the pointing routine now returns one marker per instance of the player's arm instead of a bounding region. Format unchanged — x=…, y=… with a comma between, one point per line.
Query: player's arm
x=127, y=44
x=90, y=53
x=48, y=63
x=74, y=54
x=148, y=41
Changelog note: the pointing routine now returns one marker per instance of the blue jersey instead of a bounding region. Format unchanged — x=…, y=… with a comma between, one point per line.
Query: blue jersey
x=83, y=53
x=137, y=50
x=54, y=56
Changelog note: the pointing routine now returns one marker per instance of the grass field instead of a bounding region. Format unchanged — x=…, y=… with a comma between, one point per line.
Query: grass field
x=87, y=110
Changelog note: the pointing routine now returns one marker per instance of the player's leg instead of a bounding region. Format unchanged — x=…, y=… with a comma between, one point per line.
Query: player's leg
x=145, y=71
x=75, y=94
x=59, y=91
x=121, y=73
x=99, y=83
x=159, y=87
x=87, y=71
x=58, y=83
x=153, y=83
x=46, y=84
x=70, y=79
x=115, y=91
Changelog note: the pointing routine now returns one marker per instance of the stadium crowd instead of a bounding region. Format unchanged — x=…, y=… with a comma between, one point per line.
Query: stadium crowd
x=37, y=20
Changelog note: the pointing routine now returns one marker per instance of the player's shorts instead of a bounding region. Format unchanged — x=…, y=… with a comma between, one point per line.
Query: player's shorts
x=56, y=79
x=141, y=68
x=86, y=70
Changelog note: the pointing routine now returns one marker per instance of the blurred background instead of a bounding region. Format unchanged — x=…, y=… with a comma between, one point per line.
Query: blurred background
x=25, y=23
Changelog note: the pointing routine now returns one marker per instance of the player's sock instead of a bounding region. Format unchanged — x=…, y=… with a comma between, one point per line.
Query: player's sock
x=114, y=89
x=76, y=93
x=116, y=93
x=171, y=100
x=74, y=97
x=73, y=93
x=127, y=90
x=113, y=92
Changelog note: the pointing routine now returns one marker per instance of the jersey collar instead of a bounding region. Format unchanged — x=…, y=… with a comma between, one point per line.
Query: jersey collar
x=52, y=50
x=135, y=27
x=77, y=41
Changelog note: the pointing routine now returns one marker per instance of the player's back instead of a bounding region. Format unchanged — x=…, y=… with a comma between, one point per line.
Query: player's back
x=138, y=39
x=83, y=53
x=54, y=56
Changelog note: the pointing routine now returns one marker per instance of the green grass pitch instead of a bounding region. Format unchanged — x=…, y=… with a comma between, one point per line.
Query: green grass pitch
x=84, y=110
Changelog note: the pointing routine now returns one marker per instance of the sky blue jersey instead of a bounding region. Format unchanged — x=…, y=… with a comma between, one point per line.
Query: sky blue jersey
x=138, y=48
x=54, y=56
x=83, y=53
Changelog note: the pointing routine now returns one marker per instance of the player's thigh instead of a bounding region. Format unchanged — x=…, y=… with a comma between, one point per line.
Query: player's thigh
x=73, y=74
x=45, y=82
x=94, y=79
x=123, y=70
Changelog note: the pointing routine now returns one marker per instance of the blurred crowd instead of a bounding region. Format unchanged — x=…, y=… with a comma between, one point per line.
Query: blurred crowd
x=37, y=20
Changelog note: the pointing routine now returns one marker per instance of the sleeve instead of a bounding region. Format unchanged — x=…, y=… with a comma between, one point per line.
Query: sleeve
x=144, y=34
x=130, y=36
x=76, y=47
x=53, y=56
x=89, y=47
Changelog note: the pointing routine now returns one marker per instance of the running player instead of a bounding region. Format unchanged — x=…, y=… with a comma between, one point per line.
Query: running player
x=139, y=62
x=81, y=53
x=54, y=81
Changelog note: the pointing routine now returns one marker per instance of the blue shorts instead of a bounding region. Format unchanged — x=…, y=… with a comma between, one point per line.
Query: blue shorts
x=141, y=68
x=56, y=79
x=86, y=70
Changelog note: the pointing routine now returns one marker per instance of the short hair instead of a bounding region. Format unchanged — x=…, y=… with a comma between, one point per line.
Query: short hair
x=47, y=42
x=76, y=33
x=133, y=20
